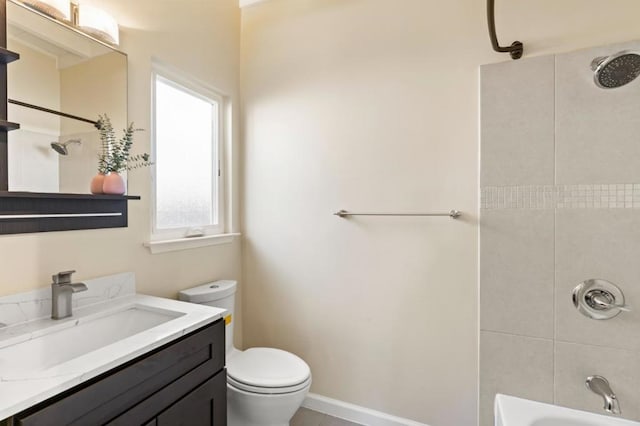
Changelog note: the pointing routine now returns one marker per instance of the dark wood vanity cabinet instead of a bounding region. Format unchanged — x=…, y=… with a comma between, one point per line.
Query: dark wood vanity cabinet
x=181, y=383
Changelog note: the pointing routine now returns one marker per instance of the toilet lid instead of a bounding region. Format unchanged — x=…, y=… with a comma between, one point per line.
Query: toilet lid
x=267, y=368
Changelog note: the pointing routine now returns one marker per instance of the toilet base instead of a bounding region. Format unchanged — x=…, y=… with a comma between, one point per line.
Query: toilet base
x=250, y=409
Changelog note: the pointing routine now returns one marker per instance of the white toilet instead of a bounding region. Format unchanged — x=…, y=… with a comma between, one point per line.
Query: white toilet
x=265, y=386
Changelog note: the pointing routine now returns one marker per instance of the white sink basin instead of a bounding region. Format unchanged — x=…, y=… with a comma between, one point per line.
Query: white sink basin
x=56, y=345
x=512, y=411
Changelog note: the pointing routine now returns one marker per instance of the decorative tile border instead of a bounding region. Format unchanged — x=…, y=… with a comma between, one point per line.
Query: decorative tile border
x=592, y=196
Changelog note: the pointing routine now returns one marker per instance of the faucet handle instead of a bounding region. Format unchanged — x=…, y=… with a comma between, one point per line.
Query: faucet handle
x=599, y=299
x=63, y=277
x=603, y=301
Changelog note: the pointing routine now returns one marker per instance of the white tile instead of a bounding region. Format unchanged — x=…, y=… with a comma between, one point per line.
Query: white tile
x=516, y=272
x=575, y=362
x=596, y=129
x=514, y=365
x=601, y=244
x=517, y=122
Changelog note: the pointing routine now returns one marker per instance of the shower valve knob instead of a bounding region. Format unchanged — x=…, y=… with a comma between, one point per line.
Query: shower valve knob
x=599, y=299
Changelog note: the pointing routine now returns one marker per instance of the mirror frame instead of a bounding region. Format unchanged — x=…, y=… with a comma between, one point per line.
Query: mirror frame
x=25, y=212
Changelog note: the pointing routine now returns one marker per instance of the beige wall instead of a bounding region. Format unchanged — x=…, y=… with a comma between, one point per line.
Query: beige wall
x=373, y=105
x=94, y=87
x=201, y=38
x=90, y=88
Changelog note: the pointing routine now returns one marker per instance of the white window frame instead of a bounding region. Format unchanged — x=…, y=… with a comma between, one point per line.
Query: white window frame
x=160, y=238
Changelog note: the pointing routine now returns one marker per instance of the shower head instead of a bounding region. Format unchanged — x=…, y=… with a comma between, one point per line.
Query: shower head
x=61, y=147
x=616, y=70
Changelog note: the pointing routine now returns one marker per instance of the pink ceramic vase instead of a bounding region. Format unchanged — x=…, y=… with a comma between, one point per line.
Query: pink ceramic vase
x=96, y=184
x=114, y=184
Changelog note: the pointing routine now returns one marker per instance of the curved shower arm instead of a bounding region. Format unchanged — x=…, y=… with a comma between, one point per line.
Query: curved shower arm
x=516, y=48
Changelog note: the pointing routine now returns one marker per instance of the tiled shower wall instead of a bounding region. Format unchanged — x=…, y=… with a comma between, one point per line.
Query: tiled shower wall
x=560, y=203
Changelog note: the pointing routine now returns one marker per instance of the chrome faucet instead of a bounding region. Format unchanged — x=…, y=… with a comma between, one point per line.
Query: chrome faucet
x=61, y=290
x=600, y=386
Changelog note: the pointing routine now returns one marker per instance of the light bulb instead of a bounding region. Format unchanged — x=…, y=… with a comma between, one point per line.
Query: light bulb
x=98, y=23
x=58, y=9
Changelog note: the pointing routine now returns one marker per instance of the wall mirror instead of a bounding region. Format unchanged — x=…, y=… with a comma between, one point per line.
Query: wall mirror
x=63, y=70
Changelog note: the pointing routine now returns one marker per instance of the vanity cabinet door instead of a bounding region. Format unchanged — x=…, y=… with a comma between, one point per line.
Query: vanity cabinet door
x=187, y=401
x=204, y=406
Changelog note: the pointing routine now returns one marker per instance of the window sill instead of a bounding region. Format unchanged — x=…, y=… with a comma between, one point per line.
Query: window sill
x=157, y=247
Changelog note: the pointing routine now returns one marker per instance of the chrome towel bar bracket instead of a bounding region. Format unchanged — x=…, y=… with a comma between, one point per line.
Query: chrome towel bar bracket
x=453, y=214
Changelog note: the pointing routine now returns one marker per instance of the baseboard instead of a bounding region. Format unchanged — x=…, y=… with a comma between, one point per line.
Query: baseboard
x=354, y=413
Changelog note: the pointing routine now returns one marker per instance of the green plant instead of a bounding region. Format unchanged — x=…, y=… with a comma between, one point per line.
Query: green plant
x=115, y=155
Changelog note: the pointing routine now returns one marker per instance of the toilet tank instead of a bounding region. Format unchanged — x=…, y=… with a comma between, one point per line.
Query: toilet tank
x=220, y=294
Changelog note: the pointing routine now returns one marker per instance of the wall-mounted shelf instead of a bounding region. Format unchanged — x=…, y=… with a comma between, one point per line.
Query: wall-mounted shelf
x=8, y=126
x=7, y=56
x=58, y=196
x=26, y=212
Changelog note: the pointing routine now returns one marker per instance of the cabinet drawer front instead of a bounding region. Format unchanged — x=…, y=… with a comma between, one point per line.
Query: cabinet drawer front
x=111, y=394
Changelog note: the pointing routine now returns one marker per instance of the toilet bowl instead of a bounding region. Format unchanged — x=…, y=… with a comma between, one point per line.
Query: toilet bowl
x=265, y=386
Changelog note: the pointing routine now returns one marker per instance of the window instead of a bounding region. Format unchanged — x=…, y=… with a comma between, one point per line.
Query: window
x=188, y=128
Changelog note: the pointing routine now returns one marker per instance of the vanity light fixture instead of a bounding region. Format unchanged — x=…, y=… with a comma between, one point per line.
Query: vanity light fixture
x=98, y=23
x=57, y=9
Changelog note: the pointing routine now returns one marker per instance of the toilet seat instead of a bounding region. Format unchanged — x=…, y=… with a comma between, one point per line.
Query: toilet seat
x=265, y=390
x=268, y=371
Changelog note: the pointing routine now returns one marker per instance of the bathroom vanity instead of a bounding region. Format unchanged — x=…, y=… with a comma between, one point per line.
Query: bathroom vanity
x=121, y=359
x=183, y=381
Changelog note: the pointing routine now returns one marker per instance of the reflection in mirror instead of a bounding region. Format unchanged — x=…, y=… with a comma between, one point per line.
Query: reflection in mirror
x=62, y=70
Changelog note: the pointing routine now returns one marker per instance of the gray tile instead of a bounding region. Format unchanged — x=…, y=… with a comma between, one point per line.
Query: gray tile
x=598, y=244
x=306, y=417
x=514, y=365
x=574, y=363
x=516, y=272
x=517, y=122
x=596, y=129
x=334, y=421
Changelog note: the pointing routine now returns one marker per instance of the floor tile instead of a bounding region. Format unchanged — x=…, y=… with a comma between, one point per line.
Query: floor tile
x=306, y=417
x=334, y=421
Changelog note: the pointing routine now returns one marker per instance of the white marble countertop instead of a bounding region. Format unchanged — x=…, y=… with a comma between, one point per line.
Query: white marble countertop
x=31, y=373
